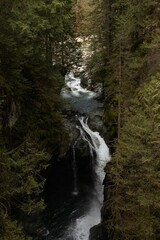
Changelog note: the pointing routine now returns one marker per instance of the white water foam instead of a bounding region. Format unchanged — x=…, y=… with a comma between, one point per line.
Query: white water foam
x=98, y=144
x=75, y=89
x=79, y=230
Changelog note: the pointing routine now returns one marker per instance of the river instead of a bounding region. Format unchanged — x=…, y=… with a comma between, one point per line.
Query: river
x=75, y=185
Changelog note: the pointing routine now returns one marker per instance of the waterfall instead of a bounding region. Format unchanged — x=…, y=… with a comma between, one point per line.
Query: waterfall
x=74, y=167
x=96, y=143
x=81, y=210
x=80, y=229
x=83, y=135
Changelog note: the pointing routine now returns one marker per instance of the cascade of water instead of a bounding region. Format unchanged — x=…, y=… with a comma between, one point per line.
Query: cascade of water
x=97, y=143
x=74, y=84
x=74, y=167
x=80, y=229
x=84, y=137
x=89, y=199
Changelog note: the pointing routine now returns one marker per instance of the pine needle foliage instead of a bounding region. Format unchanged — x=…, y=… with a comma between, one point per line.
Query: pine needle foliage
x=21, y=184
x=35, y=38
x=134, y=173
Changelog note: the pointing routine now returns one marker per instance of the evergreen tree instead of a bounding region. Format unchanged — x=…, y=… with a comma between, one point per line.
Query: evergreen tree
x=35, y=41
x=134, y=203
x=123, y=59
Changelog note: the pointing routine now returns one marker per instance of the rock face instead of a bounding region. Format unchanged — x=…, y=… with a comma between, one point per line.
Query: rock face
x=71, y=134
x=97, y=233
x=14, y=114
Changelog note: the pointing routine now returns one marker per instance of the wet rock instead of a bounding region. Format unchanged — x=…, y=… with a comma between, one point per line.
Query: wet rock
x=97, y=233
x=14, y=114
x=71, y=134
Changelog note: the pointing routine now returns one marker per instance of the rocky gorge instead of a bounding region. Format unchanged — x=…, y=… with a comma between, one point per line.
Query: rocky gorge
x=79, y=170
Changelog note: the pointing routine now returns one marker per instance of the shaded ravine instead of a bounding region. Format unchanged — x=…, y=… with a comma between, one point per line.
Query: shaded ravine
x=75, y=186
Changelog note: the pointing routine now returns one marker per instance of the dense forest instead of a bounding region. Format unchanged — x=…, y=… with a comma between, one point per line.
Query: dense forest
x=128, y=65
x=37, y=47
x=32, y=36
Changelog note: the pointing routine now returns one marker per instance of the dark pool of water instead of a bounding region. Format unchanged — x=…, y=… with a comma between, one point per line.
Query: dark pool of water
x=62, y=206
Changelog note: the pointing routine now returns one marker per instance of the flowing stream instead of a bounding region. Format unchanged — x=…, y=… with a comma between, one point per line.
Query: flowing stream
x=79, y=205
